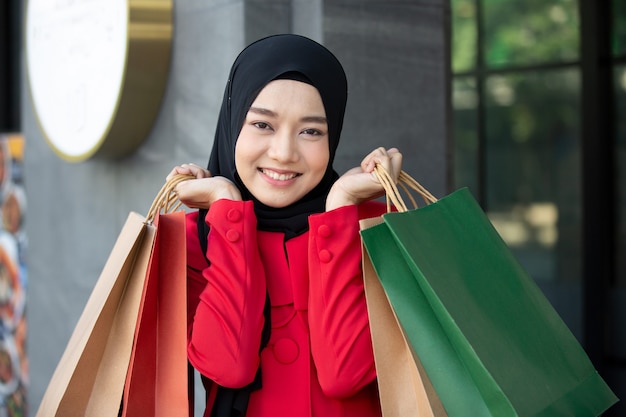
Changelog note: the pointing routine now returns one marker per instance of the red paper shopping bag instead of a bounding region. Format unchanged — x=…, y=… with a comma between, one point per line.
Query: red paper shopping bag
x=156, y=383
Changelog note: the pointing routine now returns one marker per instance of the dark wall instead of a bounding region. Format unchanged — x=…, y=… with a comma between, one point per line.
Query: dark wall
x=10, y=39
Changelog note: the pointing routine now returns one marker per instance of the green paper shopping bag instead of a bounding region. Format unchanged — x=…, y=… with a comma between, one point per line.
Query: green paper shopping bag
x=489, y=340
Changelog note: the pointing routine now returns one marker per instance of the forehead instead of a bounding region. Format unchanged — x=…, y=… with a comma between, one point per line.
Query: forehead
x=289, y=95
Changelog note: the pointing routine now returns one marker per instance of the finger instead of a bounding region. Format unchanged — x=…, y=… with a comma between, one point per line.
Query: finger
x=202, y=173
x=195, y=170
x=395, y=164
x=391, y=162
x=176, y=170
x=368, y=163
x=188, y=191
x=384, y=160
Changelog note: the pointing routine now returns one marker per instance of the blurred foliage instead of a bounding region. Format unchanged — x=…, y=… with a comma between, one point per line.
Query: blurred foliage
x=532, y=136
x=464, y=35
x=516, y=32
x=528, y=32
x=466, y=146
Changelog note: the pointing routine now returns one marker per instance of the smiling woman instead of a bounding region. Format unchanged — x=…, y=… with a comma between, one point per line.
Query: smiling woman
x=278, y=323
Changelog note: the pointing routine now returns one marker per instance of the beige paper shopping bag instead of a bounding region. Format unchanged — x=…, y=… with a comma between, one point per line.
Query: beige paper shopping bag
x=404, y=387
x=89, y=378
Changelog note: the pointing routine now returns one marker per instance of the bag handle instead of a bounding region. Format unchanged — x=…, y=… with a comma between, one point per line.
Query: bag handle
x=166, y=200
x=407, y=183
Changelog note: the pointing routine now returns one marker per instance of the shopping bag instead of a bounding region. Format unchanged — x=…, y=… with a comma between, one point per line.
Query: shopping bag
x=487, y=337
x=89, y=379
x=156, y=383
x=403, y=386
x=97, y=354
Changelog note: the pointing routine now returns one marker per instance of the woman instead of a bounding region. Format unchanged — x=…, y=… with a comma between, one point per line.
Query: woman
x=277, y=316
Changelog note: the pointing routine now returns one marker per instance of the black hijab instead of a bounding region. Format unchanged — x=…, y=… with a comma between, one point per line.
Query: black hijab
x=279, y=56
x=275, y=57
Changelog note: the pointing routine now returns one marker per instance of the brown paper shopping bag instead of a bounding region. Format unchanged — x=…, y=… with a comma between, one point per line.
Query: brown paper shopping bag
x=90, y=377
x=404, y=387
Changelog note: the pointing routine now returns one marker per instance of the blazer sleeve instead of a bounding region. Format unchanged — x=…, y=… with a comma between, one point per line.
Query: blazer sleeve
x=226, y=297
x=340, y=336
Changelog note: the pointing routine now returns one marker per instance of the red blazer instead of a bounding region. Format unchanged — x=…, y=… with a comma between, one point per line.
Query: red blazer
x=319, y=359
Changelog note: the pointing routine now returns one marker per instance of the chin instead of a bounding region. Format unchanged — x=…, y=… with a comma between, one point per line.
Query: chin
x=277, y=202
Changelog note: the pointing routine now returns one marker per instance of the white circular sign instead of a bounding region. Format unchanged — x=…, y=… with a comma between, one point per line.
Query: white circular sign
x=97, y=71
x=76, y=57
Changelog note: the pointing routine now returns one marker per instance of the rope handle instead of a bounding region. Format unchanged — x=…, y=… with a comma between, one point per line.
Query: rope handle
x=407, y=184
x=166, y=200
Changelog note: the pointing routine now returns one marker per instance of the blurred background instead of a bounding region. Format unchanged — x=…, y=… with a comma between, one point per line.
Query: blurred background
x=522, y=101
x=539, y=133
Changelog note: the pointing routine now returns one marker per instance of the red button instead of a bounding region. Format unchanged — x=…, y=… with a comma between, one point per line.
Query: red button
x=234, y=215
x=286, y=351
x=324, y=231
x=325, y=256
x=232, y=235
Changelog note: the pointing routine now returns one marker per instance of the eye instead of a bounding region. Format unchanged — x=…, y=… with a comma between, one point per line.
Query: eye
x=312, y=132
x=261, y=125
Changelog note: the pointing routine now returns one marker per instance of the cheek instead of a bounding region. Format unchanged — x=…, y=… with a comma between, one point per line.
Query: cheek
x=244, y=153
x=318, y=157
x=238, y=159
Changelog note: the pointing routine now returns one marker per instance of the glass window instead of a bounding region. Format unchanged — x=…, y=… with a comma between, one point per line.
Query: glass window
x=533, y=178
x=529, y=32
x=466, y=146
x=533, y=185
x=464, y=35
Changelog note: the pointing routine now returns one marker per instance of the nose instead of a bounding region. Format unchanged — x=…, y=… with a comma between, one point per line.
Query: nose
x=283, y=147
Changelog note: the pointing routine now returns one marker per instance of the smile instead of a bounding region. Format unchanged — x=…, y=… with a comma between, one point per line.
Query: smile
x=276, y=176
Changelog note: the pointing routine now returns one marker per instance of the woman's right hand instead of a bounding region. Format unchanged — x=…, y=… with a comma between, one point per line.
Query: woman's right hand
x=205, y=189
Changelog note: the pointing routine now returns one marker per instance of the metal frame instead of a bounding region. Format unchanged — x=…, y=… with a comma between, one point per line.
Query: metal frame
x=599, y=203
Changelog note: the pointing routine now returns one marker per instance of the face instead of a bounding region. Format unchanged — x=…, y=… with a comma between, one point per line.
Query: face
x=282, y=150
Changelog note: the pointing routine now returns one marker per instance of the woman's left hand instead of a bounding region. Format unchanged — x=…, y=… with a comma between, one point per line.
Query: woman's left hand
x=360, y=183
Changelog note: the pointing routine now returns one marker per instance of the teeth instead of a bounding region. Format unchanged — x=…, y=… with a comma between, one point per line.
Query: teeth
x=278, y=177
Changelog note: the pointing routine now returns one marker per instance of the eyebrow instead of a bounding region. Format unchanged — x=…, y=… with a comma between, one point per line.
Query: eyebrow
x=268, y=112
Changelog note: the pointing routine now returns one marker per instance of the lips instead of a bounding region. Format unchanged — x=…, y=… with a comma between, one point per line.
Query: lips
x=279, y=176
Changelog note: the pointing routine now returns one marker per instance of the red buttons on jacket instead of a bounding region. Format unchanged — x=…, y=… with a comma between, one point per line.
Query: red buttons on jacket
x=286, y=351
x=324, y=231
x=234, y=215
x=325, y=256
x=232, y=235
